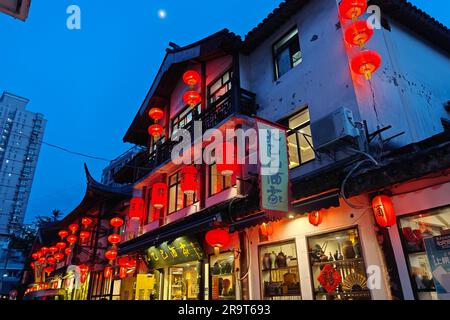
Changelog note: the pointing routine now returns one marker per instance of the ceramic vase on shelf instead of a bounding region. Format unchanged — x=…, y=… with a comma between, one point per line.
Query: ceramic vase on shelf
x=266, y=261
x=348, y=250
x=357, y=249
x=281, y=260
x=273, y=260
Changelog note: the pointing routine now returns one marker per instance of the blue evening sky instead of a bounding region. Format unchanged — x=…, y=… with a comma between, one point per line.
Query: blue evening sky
x=89, y=83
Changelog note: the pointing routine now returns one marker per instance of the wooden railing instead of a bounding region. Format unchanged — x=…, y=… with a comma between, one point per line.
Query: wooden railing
x=216, y=113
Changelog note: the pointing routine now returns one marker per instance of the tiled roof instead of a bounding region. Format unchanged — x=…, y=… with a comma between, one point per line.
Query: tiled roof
x=400, y=10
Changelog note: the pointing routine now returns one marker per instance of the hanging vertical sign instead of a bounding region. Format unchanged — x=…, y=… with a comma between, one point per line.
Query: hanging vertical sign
x=438, y=253
x=273, y=167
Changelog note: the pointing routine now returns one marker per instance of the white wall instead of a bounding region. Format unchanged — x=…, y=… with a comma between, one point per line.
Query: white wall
x=410, y=88
x=407, y=92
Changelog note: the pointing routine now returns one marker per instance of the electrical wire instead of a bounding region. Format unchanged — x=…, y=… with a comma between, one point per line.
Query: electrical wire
x=75, y=152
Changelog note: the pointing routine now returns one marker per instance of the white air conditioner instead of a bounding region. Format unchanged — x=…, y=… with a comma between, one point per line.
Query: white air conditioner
x=334, y=129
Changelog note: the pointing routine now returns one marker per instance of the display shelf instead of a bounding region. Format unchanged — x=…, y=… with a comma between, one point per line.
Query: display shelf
x=222, y=275
x=283, y=295
x=280, y=269
x=337, y=262
x=365, y=293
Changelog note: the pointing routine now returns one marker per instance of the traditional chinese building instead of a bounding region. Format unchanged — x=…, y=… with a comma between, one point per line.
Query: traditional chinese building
x=339, y=108
x=359, y=131
x=68, y=258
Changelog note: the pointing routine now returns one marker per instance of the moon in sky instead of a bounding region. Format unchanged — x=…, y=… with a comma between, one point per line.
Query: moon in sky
x=162, y=14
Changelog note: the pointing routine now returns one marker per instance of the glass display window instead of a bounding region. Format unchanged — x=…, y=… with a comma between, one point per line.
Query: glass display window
x=337, y=266
x=279, y=271
x=222, y=276
x=413, y=229
x=184, y=281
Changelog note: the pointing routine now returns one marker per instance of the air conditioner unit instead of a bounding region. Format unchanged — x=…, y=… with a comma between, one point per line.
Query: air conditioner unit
x=334, y=129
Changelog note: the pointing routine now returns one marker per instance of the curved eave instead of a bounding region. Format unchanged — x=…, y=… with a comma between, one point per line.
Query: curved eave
x=95, y=193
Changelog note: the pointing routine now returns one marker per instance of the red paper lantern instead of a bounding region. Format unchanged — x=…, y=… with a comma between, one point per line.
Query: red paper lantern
x=192, y=98
x=59, y=256
x=73, y=227
x=352, y=9
x=226, y=160
x=86, y=221
x=116, y=222
x=191, y=78
x=72, y=239
x=266, y=229
x=41, y=261
x=32, y=265
x=52, y=249
x=366, y=63
x=358, y=33
x=44, y=250
x=107, y=272
x=63, y=234
x=155, y=130
x=67, y=251
x=217, y=238
x=61, y=245
x=156, y=114
x=315, y=218
x=159, y=195
x=49, y=270
x=111, y=254
x=51, y=259
x=84, y=268
x=127, y=262
x=383, y=209
x=35, y=256
x=122, y=272
x=114, y=239
x=84, y=235
x=136, y=210
x=188, y=182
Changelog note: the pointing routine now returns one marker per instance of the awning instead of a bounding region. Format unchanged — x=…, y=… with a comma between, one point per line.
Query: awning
x=323, y=201
x=190, y=225
x=235, y=212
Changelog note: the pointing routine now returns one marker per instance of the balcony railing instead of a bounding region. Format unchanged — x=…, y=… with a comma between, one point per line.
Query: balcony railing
x=215, y=114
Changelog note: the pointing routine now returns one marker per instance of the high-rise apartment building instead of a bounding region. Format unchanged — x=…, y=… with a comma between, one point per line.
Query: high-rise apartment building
x=21, y=133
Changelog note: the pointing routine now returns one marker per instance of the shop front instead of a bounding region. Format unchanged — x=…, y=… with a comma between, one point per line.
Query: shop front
x=177, y=268
x=423, y=215
x=172, y=270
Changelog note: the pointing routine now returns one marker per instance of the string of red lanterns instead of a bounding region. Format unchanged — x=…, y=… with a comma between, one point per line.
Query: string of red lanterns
x=114, y=239
x=191, y=97
x=358, y=33
x=155, y=130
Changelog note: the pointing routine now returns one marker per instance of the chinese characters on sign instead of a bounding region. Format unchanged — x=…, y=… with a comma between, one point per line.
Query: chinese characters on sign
x=273, y=168
x=181, y=250
x=438, y=252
